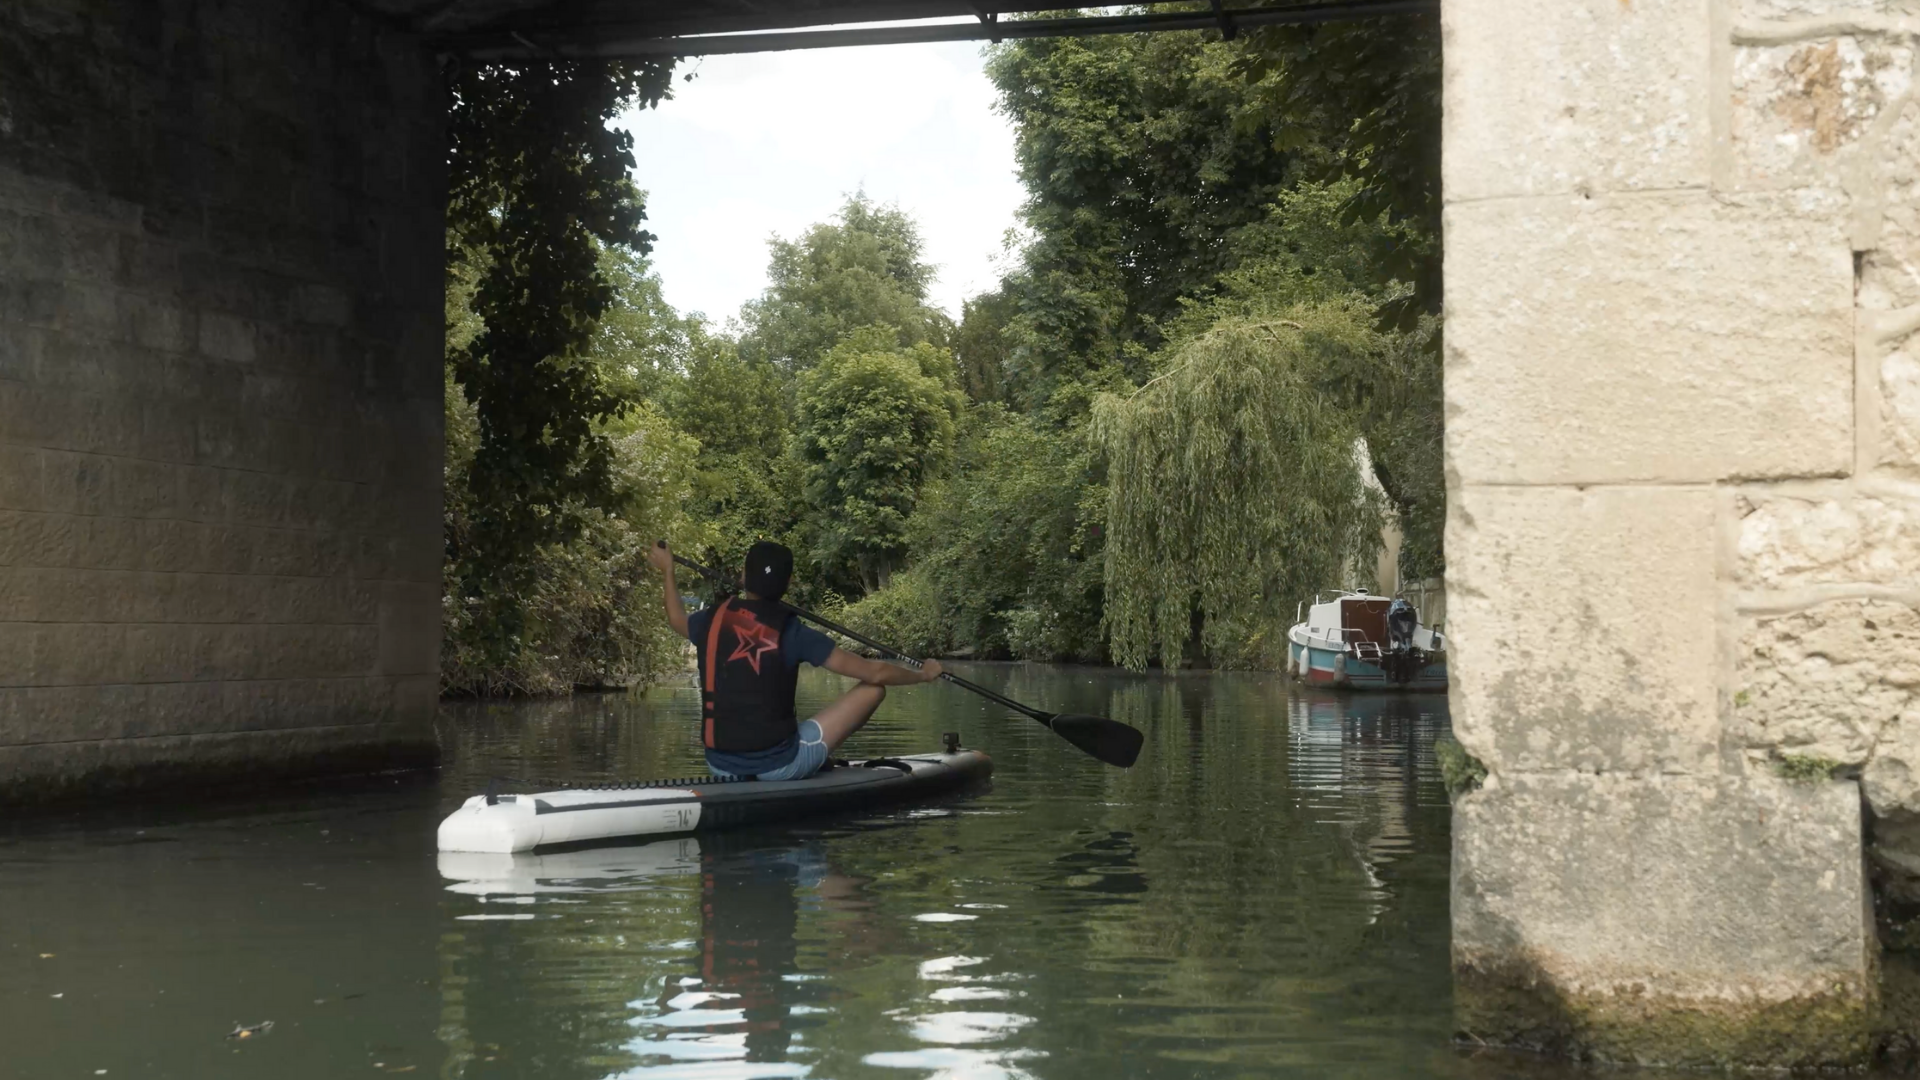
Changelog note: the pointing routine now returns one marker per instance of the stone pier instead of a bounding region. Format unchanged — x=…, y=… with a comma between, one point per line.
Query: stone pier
x=220, y=392
x=1683, y=275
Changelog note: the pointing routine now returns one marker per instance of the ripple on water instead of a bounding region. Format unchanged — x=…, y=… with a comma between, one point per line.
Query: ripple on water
x=961, y=1028
x=1265, y=893
x=955, y=1063
x=970, y=993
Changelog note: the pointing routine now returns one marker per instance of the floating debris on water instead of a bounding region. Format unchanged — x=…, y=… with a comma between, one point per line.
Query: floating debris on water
x=240, y=1032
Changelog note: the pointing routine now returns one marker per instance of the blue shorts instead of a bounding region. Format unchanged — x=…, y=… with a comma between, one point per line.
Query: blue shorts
x=806, y=761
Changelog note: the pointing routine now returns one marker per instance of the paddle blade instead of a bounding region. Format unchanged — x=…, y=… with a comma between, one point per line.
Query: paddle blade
x=1109, y=740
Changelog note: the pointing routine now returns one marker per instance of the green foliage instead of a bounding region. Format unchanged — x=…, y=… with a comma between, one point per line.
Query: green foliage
x=538, y=188
x=1460, y=771
x=640, y=342
x=1255, y=221
x=873, y=424
x=590, y=614
x=1142, y=156
x=1806, y=768
x=1233, y=484
x=983, y=346
x=907, y=615
x=1174, y=180
x=862, y=269
x=748, y=486
x=731, y=404
x=1308, y=250
x=1012, y=541
x=1365, y=95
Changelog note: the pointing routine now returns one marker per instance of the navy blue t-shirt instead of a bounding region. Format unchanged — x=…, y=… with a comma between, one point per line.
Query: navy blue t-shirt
x=798, y=643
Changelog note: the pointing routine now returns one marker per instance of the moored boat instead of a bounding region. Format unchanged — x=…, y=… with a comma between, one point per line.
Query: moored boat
x=1360, y=641
x=552, y=820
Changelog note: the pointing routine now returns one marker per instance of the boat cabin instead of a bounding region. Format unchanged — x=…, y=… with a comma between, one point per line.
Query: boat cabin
x=1361, y=620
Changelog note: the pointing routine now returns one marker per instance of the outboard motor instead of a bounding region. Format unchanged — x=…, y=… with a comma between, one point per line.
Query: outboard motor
x=1401, y=620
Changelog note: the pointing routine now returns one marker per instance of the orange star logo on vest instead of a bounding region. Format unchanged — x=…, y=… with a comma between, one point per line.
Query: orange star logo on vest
x=753, y=639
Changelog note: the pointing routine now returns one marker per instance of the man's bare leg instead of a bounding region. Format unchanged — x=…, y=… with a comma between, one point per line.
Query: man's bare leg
x=849, y=714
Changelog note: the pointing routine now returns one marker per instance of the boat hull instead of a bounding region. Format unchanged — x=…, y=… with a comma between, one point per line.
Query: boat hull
x=1342, y=671
x=554, y=820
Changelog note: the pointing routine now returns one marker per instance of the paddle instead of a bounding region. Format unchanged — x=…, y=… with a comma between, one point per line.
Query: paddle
x=1109, y=740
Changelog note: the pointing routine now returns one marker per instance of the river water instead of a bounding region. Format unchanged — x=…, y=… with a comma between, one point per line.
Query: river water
x=1264, y=894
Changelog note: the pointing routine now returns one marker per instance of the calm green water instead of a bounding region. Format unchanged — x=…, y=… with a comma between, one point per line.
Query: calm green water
x=1265, y=894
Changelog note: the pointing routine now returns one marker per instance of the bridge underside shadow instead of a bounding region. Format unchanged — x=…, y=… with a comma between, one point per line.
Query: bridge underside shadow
x=220, y=394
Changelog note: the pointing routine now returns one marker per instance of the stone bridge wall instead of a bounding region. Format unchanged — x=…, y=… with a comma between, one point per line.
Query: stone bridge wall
x=220, y=392
x=1683, y=275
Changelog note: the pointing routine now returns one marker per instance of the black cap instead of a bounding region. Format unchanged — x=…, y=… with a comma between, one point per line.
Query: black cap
x=769, y=569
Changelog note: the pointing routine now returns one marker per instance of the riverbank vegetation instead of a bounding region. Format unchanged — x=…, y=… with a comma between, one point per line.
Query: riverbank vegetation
x=1138, y=448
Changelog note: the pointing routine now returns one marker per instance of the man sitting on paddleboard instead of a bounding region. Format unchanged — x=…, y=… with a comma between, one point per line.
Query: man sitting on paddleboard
x=750, y=649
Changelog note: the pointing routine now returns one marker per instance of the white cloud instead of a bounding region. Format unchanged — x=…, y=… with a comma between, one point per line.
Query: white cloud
x=770, y=143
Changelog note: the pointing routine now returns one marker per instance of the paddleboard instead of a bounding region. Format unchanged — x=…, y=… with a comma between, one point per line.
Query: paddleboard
x=505, y=824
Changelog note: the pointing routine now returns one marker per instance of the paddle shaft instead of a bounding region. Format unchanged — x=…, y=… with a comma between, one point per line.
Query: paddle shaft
x=825, y=624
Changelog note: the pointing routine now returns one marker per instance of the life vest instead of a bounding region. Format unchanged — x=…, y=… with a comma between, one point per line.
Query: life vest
x=746, y=684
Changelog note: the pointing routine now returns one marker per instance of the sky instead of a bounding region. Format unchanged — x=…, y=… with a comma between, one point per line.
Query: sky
x=770, y=143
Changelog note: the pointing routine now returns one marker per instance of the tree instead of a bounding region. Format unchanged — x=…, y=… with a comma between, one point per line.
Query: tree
x=1310, y=249
x=1142, y=155
x=1367, y=93
x=639, y=342
x=983, y=348
x=589, y=615
x=874, y=423
x=1010, y=544
x=538, y=188
x=862, y=269
x=1233, y=486
x=748, y=486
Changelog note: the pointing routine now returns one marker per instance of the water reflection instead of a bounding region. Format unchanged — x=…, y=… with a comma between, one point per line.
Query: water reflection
x=1355, y=762
x=741, y=1002
x=1264, y=893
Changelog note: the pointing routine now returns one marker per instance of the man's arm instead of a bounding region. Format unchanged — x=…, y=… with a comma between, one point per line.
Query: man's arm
x=662, y=559
x=879, y=672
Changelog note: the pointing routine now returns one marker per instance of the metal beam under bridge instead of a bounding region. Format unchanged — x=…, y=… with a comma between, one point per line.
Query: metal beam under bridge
x=643, y=38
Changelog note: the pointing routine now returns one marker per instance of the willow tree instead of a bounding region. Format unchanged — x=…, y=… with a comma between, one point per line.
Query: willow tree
x=1234, y=487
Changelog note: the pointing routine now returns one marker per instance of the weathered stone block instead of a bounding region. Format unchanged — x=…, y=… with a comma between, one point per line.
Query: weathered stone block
x=1792, y=542
x=157, y=324
x=36, y=773
x=36, y=539
x=1840, y=681
x=409, y=628
x=20, y=479
x=1751, y=12
x=1664, y=920
x=176, y=333
x=76, y=483
x=321, y=304
x=1800, y=110
x=21, y=347
x=1672, y=337
x=223, y=337
x=1582, y=627
x=1890, y=231
x=1585, y=96
x=1900, y=411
